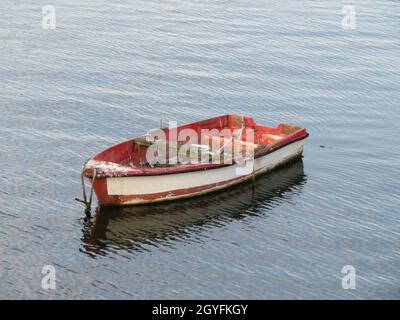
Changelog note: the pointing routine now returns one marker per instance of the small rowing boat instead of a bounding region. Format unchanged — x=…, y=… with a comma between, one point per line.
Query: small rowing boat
x=188, y=160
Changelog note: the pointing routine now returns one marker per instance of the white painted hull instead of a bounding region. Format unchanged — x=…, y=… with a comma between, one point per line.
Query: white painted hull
x=144, y=189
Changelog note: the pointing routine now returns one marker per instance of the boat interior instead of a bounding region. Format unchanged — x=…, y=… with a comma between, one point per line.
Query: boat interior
x=211, y=137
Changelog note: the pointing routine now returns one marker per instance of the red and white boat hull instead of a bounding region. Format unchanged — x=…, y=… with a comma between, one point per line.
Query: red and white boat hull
x=140, y=189
x=158, y=167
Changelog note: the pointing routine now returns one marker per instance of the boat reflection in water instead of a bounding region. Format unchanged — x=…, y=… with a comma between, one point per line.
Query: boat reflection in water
x=140, y=227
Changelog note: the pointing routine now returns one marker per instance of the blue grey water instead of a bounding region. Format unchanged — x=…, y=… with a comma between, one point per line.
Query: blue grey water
x=111, y=69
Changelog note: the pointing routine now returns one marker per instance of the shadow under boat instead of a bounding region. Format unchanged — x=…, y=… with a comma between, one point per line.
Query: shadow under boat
x=138, y=227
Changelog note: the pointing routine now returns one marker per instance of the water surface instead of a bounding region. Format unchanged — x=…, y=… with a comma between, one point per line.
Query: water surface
x=110, y=71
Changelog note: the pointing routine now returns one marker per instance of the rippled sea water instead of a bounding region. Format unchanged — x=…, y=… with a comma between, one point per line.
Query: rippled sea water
x=111, y=70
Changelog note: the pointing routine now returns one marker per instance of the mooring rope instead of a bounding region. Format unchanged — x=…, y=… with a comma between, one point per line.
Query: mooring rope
x=88, y=204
